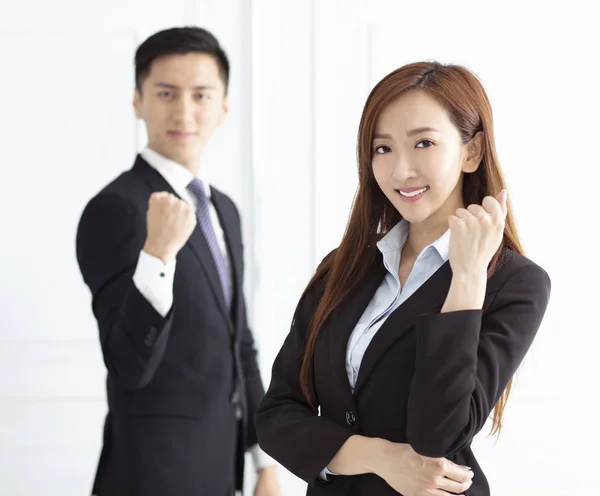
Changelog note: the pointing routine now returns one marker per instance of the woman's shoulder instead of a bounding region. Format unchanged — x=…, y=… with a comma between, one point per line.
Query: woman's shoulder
x=516, y=266
x=319, y=278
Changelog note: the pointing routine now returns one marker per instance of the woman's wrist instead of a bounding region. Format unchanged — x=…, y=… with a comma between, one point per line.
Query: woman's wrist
x=375, y=451
x=385, y=456
x=467, y=291
x=359, y=455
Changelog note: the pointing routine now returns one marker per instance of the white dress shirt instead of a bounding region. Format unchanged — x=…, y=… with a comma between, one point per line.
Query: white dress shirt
x=154, y=279
x=390, y=294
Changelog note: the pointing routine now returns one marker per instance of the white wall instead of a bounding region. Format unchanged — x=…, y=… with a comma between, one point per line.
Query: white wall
x=67, y=128
x=538, y=63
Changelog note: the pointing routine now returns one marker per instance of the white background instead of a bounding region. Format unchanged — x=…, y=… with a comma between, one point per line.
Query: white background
x=301, y=73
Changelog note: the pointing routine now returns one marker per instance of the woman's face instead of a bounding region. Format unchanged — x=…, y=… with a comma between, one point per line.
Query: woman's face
x=419, y=159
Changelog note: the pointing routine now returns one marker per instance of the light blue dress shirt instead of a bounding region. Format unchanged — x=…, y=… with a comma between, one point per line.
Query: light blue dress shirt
x=390, y=295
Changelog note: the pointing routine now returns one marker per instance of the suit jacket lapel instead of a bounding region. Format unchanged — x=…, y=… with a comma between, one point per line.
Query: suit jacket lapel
x=197, y=241
x=344, y=318
x=232, y=238
x=428, y=298
x=199, y=246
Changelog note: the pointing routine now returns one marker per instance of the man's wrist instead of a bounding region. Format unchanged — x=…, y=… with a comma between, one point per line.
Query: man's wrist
x=161, y=253
x=268, y=469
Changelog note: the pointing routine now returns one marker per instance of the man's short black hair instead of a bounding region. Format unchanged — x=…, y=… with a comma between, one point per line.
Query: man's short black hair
x=179, y=41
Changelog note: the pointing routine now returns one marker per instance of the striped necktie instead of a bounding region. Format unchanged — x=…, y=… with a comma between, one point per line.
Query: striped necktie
x=203, y=211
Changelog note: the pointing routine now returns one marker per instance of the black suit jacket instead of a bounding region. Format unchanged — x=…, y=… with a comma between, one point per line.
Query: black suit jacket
x=173, y=384
x=427, y=378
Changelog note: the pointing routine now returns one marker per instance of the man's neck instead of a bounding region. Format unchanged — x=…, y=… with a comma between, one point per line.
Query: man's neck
x=192, y=165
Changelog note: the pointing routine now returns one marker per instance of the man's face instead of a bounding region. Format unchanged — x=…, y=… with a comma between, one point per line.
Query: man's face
x=182, y=102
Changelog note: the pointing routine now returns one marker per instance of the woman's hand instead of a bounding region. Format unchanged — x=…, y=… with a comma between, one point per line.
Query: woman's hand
x=475, y=235
x=414, y=475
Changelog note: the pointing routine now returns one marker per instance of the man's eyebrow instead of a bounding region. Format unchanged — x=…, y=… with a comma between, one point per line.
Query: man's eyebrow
x=175, y=87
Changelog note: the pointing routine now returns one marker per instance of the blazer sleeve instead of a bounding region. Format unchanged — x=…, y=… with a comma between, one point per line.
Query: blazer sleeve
x=465, y=359
x=289, y=428
x=254, y=390
x=133, y=335
x=252, y=381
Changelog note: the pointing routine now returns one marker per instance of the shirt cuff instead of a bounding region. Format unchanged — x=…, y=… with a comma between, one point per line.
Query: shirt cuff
x=260, y=458
x=324, y=473
x=154, y=280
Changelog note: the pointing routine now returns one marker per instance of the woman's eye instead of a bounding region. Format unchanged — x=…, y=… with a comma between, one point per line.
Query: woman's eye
x=424, y=144
x=381, y=149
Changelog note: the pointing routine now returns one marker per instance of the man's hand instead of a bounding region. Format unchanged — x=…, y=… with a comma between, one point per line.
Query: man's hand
x=268, y=482
x=170, y=222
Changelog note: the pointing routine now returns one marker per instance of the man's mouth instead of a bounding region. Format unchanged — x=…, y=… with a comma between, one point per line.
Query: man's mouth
x=181, y=134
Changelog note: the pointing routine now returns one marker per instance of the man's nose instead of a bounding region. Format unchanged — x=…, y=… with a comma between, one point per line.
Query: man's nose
x=184, y=111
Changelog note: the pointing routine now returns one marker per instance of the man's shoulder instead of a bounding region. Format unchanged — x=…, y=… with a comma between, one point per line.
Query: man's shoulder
x=123, y=196
x=127, y=187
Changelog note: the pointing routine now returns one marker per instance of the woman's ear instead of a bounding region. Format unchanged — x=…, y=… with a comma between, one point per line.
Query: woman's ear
x=474, y=153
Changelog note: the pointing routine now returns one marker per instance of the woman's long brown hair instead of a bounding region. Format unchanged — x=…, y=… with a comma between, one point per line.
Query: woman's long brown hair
x=462, y=95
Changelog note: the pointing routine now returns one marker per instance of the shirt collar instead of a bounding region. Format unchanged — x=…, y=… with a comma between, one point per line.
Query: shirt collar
x=174, y=173
x=395, y=239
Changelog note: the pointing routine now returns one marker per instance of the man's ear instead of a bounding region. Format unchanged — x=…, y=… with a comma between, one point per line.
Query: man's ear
x=474, y=153
x=137, y=99
x=225, y=110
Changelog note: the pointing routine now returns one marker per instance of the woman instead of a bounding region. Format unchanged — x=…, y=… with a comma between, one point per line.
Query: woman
x=408, y=335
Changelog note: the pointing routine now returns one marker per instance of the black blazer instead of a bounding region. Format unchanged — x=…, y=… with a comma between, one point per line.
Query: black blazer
x=429, y=379
x=173, y=384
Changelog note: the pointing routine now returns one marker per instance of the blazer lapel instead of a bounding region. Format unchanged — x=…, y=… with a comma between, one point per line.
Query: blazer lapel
x=344, y=318
x=428, y=298
x=232, y=238
x=197, y=241
x=199, y=246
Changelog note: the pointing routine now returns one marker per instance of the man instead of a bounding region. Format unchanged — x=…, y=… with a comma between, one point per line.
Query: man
x=161, y=251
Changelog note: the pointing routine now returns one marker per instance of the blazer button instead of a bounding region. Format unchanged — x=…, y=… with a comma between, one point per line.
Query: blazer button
x=236, y=400
x=350, y=418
